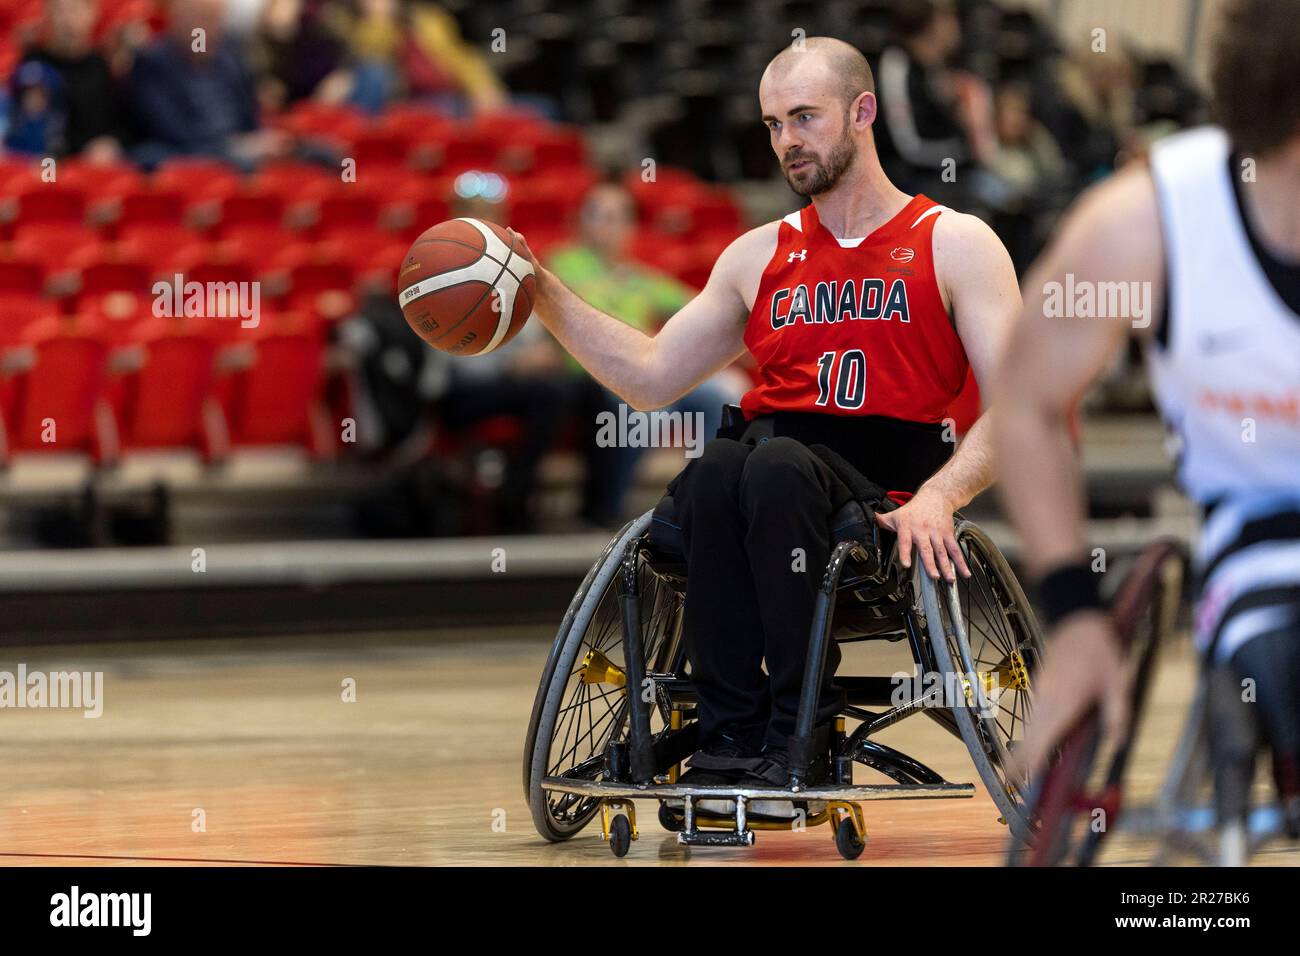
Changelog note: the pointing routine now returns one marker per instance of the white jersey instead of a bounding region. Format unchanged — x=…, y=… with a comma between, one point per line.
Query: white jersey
x=1227, y=383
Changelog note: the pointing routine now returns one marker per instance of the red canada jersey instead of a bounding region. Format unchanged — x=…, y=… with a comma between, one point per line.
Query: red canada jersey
x=855, y=327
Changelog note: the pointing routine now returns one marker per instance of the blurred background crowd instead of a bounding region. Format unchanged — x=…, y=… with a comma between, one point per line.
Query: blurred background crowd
x=302, y=144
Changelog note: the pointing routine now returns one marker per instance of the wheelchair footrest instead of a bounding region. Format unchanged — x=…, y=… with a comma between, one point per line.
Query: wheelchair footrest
x=673, y=791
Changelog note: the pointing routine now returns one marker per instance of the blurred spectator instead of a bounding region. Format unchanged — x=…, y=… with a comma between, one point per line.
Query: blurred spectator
x=299, y=51
x=1031, y=170
x=598, y=268
x=1101, y=89
x=411, y=49
x=194, y=95
x=73, y=104
x=37, y=111
x=931, y=116
x=439, y=63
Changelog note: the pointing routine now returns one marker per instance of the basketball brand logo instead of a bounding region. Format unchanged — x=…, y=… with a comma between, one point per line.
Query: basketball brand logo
x=902, y=254
x=801, y=255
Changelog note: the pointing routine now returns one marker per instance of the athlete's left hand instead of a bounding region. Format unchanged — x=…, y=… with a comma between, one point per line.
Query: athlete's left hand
x=926, y=522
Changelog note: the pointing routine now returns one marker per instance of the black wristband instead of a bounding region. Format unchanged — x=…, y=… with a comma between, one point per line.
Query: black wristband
x=1067, y=589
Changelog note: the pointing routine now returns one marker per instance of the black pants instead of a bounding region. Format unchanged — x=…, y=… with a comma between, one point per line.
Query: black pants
x=755, y=517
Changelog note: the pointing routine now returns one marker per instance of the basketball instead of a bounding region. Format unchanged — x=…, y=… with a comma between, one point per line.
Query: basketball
x=465, y=287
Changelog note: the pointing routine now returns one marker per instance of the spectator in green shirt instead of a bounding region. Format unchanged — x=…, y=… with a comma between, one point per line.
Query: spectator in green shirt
x=599, y=268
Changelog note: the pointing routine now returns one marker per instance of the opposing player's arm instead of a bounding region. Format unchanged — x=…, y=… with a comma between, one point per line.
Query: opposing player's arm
x=1112, y=236
x=651, y=371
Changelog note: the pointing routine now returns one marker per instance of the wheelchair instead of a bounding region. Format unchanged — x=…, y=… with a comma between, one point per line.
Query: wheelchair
x=1080, y=799
x=614, y=715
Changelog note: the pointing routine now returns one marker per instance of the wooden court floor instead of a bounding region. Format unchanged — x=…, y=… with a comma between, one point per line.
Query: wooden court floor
x=246, y=752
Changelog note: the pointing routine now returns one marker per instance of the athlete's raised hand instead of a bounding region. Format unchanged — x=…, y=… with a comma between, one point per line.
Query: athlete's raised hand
x=926, y=522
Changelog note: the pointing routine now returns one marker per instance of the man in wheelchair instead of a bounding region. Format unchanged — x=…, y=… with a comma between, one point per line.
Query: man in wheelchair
x=864, y=312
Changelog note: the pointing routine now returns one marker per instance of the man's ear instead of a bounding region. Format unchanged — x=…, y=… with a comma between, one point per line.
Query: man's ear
x=864, y=109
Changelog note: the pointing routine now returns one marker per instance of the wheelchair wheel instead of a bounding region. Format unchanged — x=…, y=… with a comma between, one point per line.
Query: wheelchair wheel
x=1085, y=778
x=995, y=648
x=581, y=706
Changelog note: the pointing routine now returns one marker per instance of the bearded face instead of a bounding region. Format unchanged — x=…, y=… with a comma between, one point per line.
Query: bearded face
x=810, y=174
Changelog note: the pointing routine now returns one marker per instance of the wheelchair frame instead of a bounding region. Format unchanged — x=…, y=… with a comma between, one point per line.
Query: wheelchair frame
x=1180, y=818
x=646, y=764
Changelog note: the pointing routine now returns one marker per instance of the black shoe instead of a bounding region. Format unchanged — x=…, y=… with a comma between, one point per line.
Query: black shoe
x=720, y=763
x=774, y=772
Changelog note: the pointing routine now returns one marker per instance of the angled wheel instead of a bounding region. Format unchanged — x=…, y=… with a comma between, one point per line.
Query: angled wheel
x=1085, y=780
x=847, y=840
x=581, y=704
x=984, y=632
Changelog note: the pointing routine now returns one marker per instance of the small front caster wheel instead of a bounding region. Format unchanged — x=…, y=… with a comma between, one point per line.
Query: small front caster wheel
x=847, y=840
x=620, y=835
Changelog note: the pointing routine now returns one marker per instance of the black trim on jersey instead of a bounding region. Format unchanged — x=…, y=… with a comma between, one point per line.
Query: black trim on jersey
x=1161, y=336
x=1282, y=526
x=1284, y=277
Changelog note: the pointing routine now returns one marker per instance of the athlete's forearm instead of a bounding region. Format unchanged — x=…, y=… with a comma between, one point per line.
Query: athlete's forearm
x=619, y=356
x=970, y=470
x=1040, y=486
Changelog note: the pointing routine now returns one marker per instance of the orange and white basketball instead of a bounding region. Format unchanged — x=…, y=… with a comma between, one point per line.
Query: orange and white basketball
x=465, y=288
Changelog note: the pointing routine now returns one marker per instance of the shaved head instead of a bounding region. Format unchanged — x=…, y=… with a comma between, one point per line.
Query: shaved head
x=818, y=102
x=838, y=65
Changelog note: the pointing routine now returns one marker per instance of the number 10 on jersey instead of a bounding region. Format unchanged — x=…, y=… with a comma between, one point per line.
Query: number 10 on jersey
x=847, y=377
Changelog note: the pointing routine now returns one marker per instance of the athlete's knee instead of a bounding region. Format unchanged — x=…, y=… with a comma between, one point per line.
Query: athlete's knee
x=714, y=477
x=777, y=470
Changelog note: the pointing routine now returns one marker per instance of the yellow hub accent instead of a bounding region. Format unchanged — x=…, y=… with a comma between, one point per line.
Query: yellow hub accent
x=1010, y=672
x=598, y=669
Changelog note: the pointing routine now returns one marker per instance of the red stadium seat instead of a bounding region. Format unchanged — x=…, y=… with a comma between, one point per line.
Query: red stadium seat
x=471, y=146
x=123, y=276
x=18, y=310
x=199, y=180
x=162, y=404
x=324, y=121
x=294, y=182
x=268, y=249
x=379, y=149
x=264, y=210
x=537, y=210
x=118, y=313
x=277, y=400
x=103, y=185
x=152, y=206
x=547, y=149
x=19, y=274
x=323, y=289
x=59, y=246
x=167, y=248
x=58, y=396
x=51, y=203
x=345, y=212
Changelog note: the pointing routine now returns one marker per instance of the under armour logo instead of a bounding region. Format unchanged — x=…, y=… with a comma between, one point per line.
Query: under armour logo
x=801, y=255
